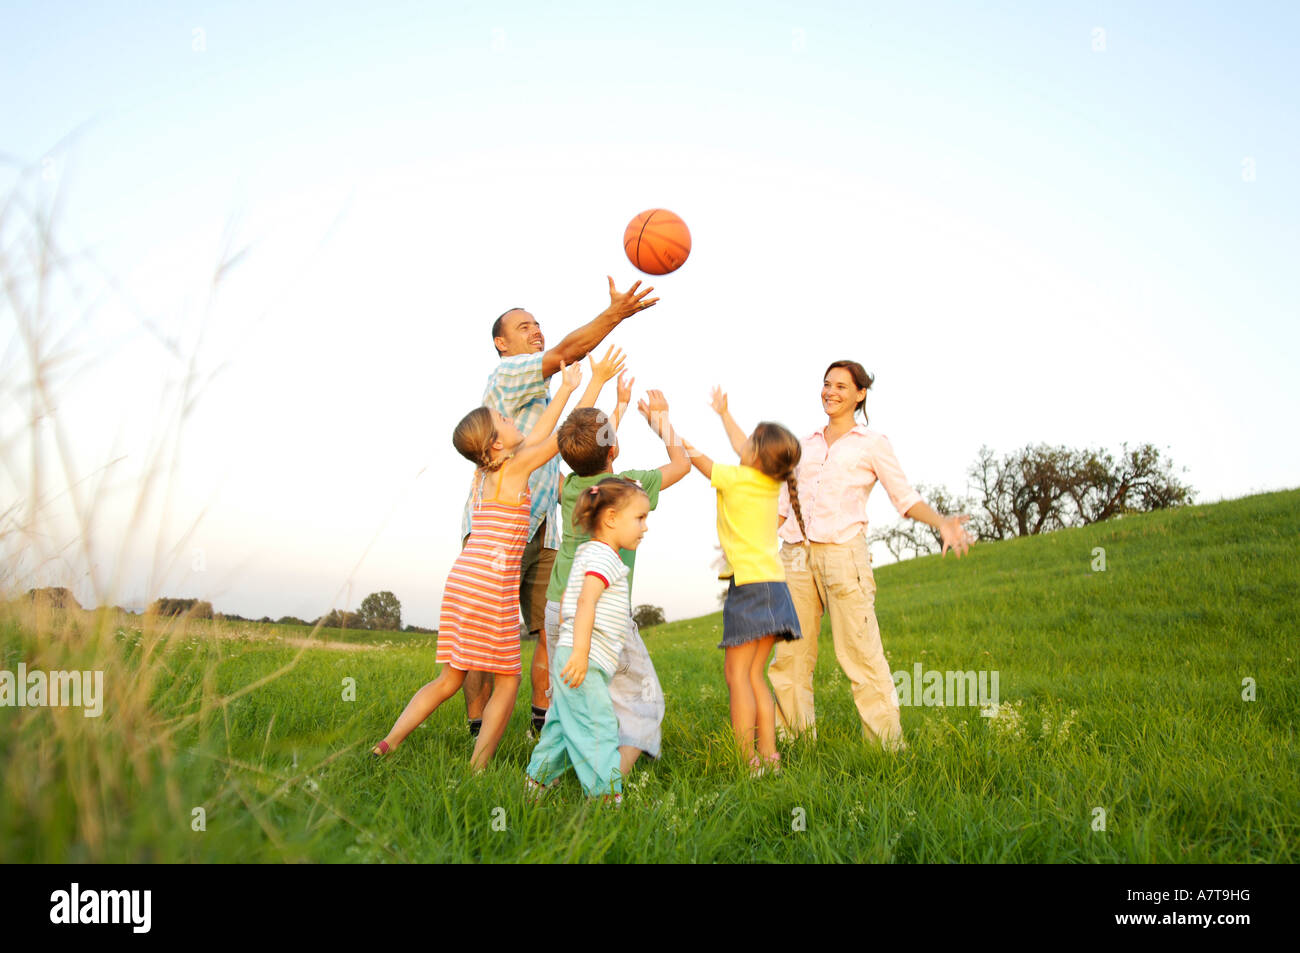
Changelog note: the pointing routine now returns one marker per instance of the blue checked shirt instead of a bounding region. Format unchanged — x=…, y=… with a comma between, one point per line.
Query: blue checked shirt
x=517, y=389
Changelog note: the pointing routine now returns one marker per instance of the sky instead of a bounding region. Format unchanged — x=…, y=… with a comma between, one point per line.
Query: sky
x=283, y=233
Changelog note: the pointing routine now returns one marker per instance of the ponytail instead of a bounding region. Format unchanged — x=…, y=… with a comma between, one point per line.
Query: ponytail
x=614, y=492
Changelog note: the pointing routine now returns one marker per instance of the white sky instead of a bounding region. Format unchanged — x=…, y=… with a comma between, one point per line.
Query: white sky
x=1022, y=237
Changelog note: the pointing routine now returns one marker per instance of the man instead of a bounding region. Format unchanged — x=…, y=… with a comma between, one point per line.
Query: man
x=519, y=387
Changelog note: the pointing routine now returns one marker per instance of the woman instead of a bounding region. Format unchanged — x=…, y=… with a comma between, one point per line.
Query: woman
x=840, y=465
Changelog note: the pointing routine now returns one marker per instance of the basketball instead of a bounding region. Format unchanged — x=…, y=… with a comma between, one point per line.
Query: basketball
x=657, y=241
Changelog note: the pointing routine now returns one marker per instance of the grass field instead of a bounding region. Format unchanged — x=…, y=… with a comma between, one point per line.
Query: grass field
x=1122, y=693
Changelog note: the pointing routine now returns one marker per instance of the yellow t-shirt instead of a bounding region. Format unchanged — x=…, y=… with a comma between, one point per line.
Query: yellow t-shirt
x=747, y=523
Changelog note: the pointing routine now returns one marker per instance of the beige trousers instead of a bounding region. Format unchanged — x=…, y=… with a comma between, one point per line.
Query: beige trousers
x=834, y=577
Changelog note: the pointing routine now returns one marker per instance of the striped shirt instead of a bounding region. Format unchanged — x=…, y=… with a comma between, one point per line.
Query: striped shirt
x=517, y=389
x=613, y=608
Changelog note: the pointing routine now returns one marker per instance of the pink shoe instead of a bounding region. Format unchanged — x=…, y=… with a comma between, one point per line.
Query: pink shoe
x=761, y=766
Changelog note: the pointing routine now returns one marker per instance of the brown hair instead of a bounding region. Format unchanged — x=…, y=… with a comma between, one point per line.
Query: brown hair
x=861, y=380
x=473, y=438
x=614, y=492
x=777, y=453
x=584, y=440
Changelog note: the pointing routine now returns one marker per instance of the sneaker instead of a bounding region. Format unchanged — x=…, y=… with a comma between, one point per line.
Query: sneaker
x=535, y=790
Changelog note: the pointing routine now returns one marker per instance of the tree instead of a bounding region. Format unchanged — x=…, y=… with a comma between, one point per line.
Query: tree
x=1042, y=488
x=381, y=611
x=646, y=616
x=905, y=538
x=193, y=608
x=340, y=620
x=54, y=597
x=1139, y=482
x=912, y=537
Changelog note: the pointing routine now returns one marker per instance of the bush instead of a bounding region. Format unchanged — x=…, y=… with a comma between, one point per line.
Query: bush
x=53, y=597
x=646, y=616
x=167, y=608
x=340, y=620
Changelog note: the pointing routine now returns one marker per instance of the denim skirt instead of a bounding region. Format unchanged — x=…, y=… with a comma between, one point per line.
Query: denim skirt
x=756, y=609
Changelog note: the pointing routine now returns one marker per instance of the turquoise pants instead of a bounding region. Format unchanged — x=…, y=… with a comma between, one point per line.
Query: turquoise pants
x=581, y=730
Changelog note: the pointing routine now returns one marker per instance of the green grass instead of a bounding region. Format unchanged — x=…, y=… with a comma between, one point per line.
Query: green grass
x=1124, y=692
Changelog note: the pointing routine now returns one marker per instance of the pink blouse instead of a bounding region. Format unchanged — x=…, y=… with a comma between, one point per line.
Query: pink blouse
x=835, y=481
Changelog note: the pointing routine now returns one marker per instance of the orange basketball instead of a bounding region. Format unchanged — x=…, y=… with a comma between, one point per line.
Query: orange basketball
x=657, y=241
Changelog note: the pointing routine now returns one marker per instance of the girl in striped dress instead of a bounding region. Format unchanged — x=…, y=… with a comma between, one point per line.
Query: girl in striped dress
x=478, y=627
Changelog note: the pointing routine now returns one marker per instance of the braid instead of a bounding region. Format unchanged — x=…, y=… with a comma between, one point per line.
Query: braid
x=486, y=464
x=793, y=484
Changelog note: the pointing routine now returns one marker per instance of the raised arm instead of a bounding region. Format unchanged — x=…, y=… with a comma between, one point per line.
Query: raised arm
x=602, y=372
x=624, y=398
x=579, y=343
x=540, y=445
x=655, y=410
x=571, y=377
x=701, y=462
x=734, y=433
x=575, y=669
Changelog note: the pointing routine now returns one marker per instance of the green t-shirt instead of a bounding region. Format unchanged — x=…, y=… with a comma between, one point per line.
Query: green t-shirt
x=571, y=489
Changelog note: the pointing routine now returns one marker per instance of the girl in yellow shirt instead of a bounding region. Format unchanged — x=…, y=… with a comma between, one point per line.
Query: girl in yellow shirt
x=758, y=610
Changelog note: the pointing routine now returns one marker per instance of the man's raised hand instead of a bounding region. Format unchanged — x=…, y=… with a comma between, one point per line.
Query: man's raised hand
x=624, y=304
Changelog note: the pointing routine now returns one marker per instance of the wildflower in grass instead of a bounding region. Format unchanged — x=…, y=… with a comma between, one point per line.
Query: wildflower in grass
x=706, y=802
x=1006, y=721
x=1060, y=733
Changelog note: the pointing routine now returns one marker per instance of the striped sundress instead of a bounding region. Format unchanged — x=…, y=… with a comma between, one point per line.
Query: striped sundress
x=478, y=626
